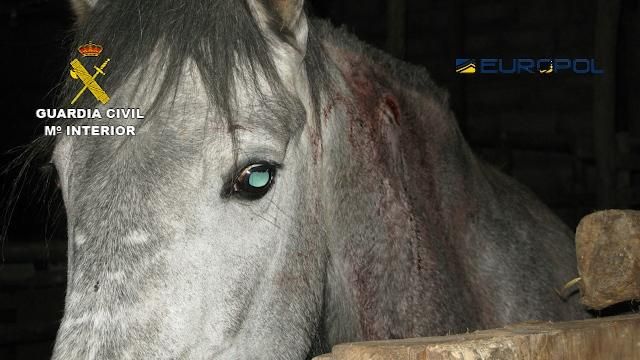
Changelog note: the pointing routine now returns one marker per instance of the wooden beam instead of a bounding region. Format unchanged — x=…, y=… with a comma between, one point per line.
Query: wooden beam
x=604, y=100
x=397, y=28
x=615, y=337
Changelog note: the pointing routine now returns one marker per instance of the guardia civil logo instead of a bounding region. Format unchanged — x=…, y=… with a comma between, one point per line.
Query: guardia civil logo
x=121, y=118
x=89, y=82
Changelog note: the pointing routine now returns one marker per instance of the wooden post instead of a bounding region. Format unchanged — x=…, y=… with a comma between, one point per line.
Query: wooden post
x=457, y=33
x=604, y=100
x=397, y=28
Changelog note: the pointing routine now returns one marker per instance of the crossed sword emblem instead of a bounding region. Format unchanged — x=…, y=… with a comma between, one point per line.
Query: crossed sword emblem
x=80, y=72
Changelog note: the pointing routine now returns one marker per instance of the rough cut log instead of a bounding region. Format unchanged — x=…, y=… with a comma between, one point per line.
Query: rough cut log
x=615, y=337
x=608, y=250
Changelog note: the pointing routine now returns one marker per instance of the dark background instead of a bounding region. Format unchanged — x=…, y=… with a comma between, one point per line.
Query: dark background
x=573, y=139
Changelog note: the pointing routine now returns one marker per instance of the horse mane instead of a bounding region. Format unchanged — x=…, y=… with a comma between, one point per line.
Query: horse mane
x=219, y=37
x=413, y=77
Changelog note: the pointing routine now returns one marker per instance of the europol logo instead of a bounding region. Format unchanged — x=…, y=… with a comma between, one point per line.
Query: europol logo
x=78, y=71
x=527, y=66
x=465, y=66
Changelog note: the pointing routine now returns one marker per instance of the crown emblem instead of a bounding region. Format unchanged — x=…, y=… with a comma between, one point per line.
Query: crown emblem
x=90, y=49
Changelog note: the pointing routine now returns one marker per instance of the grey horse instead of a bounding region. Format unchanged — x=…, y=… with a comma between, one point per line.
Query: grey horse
x=289, y=189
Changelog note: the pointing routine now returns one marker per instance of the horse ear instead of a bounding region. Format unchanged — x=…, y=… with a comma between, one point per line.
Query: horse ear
x=81, y=9
x=283, y=18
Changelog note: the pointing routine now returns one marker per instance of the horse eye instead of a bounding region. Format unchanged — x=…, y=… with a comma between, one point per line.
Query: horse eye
x=254, y=180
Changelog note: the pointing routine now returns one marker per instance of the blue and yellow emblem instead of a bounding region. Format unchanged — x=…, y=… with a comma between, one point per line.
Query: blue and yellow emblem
x=465, y=66
x=546, y=68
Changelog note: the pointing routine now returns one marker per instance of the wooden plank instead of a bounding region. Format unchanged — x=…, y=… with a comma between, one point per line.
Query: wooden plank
x=604, y=99
x=615, y=337
x=324, y=357
x=397, y=28
x=628, y=161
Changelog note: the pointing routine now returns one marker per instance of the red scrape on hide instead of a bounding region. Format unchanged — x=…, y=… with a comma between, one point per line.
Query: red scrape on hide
x=327, y=111
x=374, y=116
x=405, y=142
x=316, y=145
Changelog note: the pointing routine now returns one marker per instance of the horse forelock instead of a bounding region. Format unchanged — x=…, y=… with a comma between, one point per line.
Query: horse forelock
x=157, y=39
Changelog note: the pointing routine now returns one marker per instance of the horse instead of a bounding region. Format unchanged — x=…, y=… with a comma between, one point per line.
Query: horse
x=289, y=188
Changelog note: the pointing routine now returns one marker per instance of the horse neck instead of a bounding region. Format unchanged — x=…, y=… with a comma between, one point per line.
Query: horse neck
x=402, y=189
